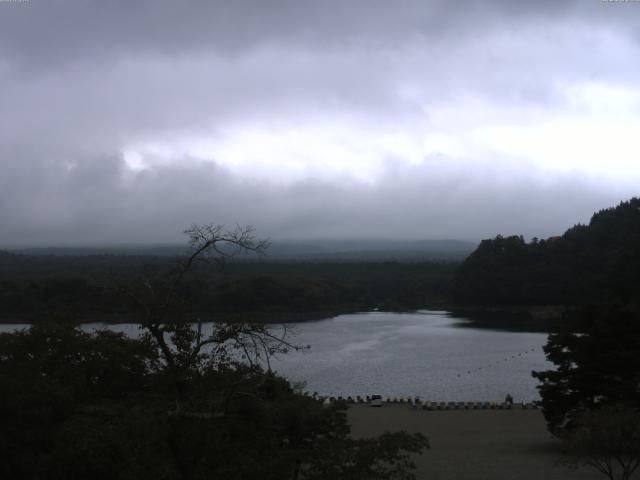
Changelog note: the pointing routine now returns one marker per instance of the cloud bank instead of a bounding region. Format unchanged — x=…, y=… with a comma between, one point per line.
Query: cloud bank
x=128, y=121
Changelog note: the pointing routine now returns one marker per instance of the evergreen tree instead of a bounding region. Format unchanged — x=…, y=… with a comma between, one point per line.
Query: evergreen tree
x=598, y=367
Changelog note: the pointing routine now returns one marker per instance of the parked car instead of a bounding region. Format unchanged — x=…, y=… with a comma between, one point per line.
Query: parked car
x=376, y=401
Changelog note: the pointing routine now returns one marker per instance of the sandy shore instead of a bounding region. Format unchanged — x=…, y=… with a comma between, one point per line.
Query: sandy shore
x=474, y=444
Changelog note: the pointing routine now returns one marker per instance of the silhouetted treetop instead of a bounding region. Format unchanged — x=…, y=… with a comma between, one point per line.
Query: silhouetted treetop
x=595, y=262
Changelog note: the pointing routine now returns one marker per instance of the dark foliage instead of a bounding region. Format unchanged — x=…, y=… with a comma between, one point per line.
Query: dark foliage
x=594, y=263
x=102, y=406
x=595, y=368
x=84, y=287
x=591, y=270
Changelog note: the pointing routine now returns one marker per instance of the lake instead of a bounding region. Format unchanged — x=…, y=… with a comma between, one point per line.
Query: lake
x=430, y=354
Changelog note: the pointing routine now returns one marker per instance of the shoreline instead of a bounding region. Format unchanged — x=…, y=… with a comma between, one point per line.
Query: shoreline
x=257, y=317
x=534, y=319
x=525, y=318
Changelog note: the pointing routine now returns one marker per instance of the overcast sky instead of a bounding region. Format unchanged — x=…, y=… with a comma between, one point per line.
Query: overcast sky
x=127, y=121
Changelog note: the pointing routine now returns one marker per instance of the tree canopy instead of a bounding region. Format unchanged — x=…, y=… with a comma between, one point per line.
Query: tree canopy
x=597, y=364
x=101, y=405
x=589, y=263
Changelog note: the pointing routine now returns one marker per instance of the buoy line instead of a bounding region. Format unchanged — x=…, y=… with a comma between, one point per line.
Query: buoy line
x=497, y=362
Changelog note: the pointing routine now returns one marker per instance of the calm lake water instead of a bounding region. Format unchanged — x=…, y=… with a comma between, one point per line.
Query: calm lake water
x=429, y=353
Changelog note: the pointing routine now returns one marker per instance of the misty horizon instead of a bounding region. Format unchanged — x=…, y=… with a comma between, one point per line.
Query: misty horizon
x=318, y=245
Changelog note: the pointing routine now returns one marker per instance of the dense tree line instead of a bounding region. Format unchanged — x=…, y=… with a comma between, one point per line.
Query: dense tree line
x=590, y=263
x=84, y=287
x=591, y=399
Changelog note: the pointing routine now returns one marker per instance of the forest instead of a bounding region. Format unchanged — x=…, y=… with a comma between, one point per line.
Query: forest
x=86, y=287
x=598, y=262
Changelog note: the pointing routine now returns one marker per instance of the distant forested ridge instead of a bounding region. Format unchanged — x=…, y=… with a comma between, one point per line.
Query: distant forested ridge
x=310, y=250
x=598, y=262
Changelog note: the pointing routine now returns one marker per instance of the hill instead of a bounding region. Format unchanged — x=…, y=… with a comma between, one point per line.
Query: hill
x=598, y=262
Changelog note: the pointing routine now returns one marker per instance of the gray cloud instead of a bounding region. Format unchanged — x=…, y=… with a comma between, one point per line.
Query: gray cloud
x=54, y=32
x=99, y=203
x=84, y=81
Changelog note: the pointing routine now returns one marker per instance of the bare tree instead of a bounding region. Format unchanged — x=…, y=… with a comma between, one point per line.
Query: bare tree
x=178, y=331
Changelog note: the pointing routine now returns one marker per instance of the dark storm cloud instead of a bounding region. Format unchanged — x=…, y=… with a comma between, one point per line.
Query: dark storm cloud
x=83, y=83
